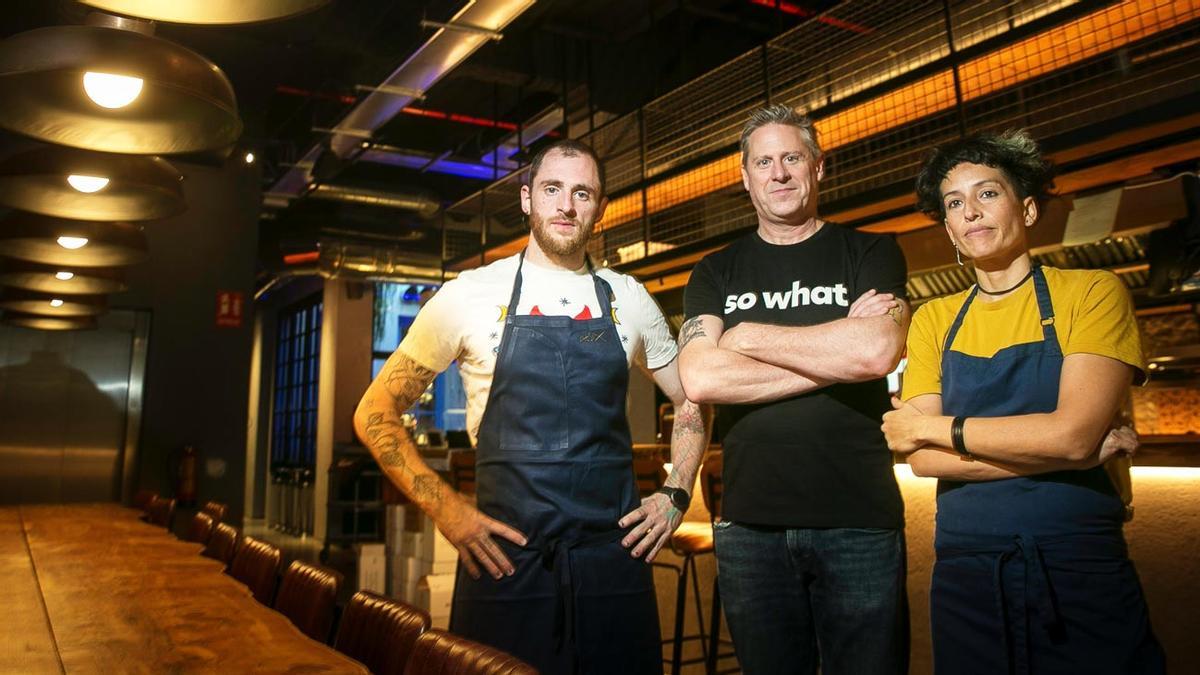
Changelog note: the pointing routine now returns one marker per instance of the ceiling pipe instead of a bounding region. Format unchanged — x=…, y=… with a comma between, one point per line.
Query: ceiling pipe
x=440, y=54
x=426, y=205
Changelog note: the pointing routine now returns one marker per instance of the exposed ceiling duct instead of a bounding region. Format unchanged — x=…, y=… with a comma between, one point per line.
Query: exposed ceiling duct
x=449, y=46
x=423, y=203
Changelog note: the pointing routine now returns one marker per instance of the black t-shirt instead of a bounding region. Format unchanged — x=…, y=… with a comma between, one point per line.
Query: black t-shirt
x=818, y=459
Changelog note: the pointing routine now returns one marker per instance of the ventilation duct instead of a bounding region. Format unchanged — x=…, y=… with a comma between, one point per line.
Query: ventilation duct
x=425, y=204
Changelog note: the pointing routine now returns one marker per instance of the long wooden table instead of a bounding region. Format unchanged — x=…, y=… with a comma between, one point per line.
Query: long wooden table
x=92, y=589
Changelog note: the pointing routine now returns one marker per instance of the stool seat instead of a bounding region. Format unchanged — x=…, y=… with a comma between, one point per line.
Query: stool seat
x=692, y=537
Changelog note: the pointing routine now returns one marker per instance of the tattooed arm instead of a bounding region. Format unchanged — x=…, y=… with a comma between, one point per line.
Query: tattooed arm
x=866, y=345
x=712, y=374
x=377, y=423
x=689, y=438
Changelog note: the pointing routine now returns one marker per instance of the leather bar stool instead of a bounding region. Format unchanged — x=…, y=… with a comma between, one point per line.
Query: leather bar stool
x=440, y=653
x=256, y=564
x=222, y=544
x=216, y=510
x=201, y=529
x=161, y=512
x=307, y=596
x=380, y=632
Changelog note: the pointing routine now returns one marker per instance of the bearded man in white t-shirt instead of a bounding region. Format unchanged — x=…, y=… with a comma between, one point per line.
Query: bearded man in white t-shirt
x=544, y=343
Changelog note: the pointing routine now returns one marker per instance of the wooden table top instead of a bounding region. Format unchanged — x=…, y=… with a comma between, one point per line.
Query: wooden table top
x=92, y=589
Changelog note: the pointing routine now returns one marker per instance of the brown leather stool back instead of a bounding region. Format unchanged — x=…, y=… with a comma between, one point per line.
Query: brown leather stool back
x=142, y=499
x=222, y=544
x=202, y=527
x=216, y=510
x=379, y=632
x=439, y=653
x=462, y=471
x=161, y=512
x=307, y=596
x=256, y=564
x=649, y=473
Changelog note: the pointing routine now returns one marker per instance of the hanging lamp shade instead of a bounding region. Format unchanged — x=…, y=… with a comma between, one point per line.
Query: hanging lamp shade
x=48, y=304
x=60, y=279
x=48, y=322
x=114, y=90
x=208, y=11
x=72, y=243
x=54, y=180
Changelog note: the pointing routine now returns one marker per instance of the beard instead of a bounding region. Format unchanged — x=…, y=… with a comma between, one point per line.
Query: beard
x=555, y=244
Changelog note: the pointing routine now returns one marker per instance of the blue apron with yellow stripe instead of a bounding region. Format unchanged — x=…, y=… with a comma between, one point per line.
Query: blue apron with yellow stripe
x=1032, y=573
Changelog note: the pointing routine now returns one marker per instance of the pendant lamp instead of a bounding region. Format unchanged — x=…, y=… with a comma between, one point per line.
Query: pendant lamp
x=72, y=243
x=208, y=11
x=48, y=304
x=54, y=180
x=48, y=322
x=114, y=90
x=60, y=279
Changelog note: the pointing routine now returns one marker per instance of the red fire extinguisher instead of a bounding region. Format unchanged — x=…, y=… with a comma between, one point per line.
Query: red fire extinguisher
x=185, y=479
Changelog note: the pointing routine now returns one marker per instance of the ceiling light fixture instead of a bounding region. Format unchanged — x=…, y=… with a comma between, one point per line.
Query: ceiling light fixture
x=64, y=276
x=76, y=86
x=72, y=243
x=56, y=302
x=208, y=11
x=249, y=157
x=112, y=91
x=87, y=184
x=98, y=185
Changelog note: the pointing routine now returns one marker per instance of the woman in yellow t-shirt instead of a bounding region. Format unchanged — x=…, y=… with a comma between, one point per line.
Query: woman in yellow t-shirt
x=1010, y=389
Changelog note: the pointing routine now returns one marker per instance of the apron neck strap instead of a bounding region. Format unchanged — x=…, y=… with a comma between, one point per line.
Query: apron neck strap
x=604, y=294
x=1045, y=310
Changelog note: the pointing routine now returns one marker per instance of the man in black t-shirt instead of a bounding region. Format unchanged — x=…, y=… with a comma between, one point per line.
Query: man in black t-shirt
x=791, y=329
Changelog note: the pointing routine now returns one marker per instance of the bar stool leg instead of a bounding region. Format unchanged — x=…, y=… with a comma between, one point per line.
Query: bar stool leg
x=680, y=603
x=710, y=665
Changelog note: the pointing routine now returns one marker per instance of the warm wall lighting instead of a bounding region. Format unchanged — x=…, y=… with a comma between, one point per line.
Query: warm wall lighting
x=64, y=276
x=111, y=91
x=56, y=302
x=1177, y=472
x=88, y=184
x=72, y=242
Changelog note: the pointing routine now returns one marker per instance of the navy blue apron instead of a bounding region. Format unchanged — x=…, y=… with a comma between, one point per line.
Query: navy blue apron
x=1032, y=574
x=555, y=461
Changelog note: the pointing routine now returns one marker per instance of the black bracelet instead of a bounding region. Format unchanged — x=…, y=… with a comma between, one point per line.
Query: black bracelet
x=956, y=438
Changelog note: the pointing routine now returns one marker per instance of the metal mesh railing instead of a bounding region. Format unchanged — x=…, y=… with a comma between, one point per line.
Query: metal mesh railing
x=879, y=78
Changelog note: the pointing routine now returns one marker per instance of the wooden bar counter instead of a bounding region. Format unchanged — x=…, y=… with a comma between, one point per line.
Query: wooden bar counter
x=92, y=589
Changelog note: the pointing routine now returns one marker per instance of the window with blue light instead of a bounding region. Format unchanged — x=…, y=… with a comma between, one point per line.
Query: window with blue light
x=297, y=367
x=443, y=407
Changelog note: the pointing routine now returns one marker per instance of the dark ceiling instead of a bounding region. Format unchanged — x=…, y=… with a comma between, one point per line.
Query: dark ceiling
x=603, y=56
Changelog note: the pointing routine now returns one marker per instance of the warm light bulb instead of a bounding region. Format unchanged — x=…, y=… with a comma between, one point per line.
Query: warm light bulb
x=111, y=91
x=64, y=276
x=72, y=242
x=87, y=184
x=56, y=303
x=249, y=157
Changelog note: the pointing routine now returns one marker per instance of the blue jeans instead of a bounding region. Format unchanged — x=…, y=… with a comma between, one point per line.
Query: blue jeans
x=796, y=599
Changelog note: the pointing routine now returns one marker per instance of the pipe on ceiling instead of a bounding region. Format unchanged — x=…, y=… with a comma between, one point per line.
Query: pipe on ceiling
x=425, y=204
x=440, y=54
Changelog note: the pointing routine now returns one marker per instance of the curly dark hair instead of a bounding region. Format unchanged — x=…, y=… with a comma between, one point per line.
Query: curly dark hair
x=1013, y=152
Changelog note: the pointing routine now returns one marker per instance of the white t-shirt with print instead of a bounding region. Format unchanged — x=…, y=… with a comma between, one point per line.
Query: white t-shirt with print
x=465, y=319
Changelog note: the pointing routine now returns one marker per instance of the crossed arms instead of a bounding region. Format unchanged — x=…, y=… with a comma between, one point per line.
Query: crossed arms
x=757, y=363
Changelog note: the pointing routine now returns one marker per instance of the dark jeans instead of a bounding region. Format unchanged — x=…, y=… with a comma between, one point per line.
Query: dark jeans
x=802, y=598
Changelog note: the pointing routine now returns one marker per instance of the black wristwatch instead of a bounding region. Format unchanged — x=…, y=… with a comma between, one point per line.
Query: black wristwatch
x=680, y=498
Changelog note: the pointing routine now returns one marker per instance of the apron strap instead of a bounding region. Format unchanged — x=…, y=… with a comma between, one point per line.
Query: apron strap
x=556, y=558
x=604, y=293
x=958, y=320
x=1045, y=311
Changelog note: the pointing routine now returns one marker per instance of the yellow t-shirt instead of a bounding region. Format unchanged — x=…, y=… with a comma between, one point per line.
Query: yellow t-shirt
x=1093, y=314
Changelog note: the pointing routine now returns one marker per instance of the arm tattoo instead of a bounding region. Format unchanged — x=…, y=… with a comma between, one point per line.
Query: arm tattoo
x=427, y=488
x=690, y=330
x=407, y=380
x=688, y=419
